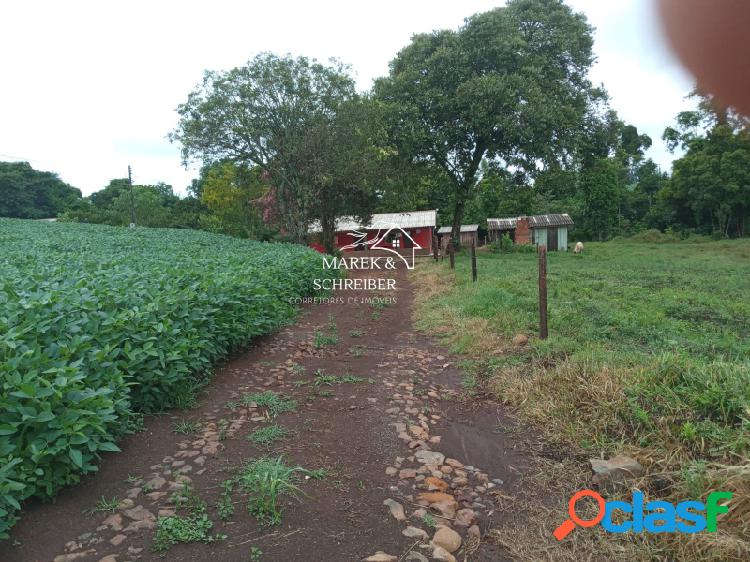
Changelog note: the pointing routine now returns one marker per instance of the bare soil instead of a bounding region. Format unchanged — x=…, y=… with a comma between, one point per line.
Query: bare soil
x=351, y=429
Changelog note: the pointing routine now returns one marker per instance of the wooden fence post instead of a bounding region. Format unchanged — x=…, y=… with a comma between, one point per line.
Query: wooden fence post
x=473, y=261
x=435, y=247
x=543, y=292
x=450, y=252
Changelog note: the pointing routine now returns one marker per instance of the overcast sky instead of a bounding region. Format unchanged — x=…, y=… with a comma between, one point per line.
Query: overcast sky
x=90, y=87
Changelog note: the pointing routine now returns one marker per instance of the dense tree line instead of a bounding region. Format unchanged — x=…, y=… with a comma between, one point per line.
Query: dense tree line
x=497, y=118
x=26, y=193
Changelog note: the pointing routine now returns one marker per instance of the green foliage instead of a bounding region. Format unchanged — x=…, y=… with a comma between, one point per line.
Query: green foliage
x=264, y=481
x=292, y=135
x=104, y=506
x=274, y=404
x=26, y=193
x=186, y=427
x=267, y=436
x=429, y=520
x=224, y=505
x=96, y=322
x=599, y=191
x=510, y=84
x=322, y=339
x=255, y=554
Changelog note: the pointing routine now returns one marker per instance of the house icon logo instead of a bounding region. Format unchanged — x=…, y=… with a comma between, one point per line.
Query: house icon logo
x=394, y=240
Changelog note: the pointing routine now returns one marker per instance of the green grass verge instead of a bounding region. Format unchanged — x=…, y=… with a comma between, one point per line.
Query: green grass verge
x=648, y=354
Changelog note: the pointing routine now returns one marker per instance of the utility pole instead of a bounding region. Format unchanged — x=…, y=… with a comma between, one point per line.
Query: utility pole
x=132, y=203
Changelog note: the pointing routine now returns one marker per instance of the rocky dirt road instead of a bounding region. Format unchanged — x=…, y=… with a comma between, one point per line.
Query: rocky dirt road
x=397, y=465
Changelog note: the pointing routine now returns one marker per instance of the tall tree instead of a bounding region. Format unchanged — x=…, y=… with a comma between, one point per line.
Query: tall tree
x=510, y=85
x=710, y=184
x=346, y=155
x=259, y=115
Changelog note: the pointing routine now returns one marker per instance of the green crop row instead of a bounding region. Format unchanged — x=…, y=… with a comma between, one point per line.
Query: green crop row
x=98, y=323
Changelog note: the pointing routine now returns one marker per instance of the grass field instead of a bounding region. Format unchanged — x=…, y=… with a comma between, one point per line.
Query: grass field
x=99, y=324
x=648, y=354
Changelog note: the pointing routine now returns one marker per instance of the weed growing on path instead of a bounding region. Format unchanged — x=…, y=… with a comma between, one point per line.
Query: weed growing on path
x=357, y=350
x=255, y=554
x=322, y=339
x=193, y=526
x=273, y=403
x=224, y=505
x=267, y=436
x=356, y=334
x=323, y=379
x=264, y=481
x=104, y=506
x=429, y=521
x=186, y=427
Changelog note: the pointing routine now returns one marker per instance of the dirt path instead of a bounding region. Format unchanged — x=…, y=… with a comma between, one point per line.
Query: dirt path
x=382, y=416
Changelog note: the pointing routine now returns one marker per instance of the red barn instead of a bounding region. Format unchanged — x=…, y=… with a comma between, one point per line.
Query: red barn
x=395, y=231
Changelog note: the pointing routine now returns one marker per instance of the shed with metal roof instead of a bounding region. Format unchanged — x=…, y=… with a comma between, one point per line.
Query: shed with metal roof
x=550, y=230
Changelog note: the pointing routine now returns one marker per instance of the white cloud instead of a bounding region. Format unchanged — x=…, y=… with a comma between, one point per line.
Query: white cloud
x=90, y=87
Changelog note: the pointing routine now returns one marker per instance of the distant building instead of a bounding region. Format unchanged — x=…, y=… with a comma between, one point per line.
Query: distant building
x=395, y=231
x=469, y=234
x=550, y=230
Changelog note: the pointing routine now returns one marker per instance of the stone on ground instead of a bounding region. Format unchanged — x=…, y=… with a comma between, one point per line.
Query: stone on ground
x=447, y=538
x=415, y=533
x=396, y=509
x=430, y=457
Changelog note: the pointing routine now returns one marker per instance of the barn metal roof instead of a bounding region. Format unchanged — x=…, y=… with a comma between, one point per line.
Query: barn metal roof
x=380, y=221
x=535, y=221
x=464, y=228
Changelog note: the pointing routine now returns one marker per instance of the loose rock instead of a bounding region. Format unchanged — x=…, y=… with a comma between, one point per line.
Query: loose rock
x=415, y=533
x=430, y=457
x=396, y=509
x=447, y=538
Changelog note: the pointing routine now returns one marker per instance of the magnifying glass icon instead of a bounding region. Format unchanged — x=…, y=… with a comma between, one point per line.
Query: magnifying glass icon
x=569, y=524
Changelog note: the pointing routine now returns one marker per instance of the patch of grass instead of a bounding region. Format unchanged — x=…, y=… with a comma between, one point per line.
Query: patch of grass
x=325, y=393
x=186, y=427
x=357, y=350
x=104, y=505
x=322, y=339
x=300, y=382
x=224, y=504
x=356, y=334
x=321, y=378
x=267, y=436
x=223, y=426
x=375, y=315
x=265, y=481
x=255, y=554
x=332, y=323
x=272, y=402
x=647, y=355
x=349, y=378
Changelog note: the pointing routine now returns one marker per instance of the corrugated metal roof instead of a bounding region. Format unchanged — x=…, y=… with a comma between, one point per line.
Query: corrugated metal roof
x=535, y=221
x=464, y=228
x=380, y=221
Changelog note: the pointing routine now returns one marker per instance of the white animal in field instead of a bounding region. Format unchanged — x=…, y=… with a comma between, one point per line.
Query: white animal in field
x=579, y=248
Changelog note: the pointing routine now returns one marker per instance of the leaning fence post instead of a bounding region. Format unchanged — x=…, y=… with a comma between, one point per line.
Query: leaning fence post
x=543, y=292
x=473, y=261
x=450, y=252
